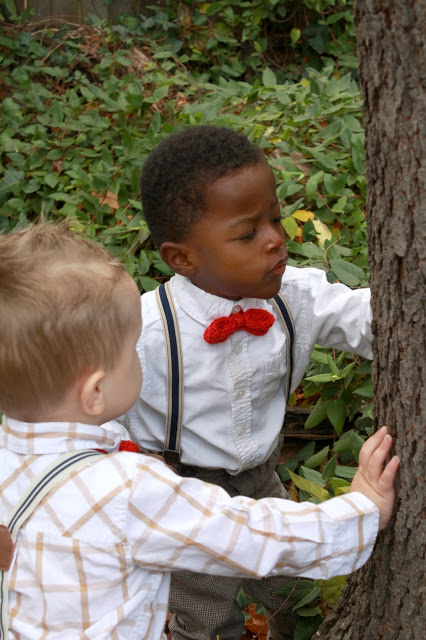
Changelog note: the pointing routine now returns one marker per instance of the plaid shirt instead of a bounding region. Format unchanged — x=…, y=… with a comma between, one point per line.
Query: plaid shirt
x=94, y=559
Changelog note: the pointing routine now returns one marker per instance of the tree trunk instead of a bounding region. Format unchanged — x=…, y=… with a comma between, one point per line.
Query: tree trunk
x=384, y=599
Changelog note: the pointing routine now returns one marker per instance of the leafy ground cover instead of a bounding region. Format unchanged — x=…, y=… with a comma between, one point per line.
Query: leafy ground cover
x=82, y=106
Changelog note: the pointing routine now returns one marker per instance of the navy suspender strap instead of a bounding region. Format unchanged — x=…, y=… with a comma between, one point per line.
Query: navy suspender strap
x=285, y=316
x=174, y=373
x=56, y=472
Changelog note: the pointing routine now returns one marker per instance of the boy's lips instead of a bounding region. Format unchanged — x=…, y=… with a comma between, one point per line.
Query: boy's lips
x=279, y=268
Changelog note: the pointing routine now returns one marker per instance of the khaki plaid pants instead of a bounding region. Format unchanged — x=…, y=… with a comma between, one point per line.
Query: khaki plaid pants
x=204, y=605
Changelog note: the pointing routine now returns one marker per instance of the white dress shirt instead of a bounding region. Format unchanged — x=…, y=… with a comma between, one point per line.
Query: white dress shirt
x=93, y=561
x=234, y=392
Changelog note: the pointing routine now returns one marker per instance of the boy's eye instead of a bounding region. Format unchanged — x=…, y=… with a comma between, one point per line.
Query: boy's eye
x=248, y=236
x=277, y=219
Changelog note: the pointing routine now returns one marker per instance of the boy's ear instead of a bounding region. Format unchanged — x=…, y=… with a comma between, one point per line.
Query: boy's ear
x=92, y=397
x=179, y=257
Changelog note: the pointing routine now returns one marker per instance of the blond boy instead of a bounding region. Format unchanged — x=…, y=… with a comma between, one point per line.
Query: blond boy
x=94, y=558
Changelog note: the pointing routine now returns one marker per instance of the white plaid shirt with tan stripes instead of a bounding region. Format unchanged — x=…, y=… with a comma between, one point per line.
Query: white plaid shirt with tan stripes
x=94, y=559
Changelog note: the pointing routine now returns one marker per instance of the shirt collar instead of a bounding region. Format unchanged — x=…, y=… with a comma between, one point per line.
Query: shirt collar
x=57, y=437
x=205, y=307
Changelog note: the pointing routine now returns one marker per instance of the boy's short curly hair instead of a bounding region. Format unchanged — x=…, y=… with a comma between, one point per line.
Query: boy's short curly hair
x=176, y=173
x=61, y=315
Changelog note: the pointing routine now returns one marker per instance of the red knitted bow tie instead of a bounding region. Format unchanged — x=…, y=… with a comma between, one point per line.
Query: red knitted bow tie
x=255, y=321
x=125, y=445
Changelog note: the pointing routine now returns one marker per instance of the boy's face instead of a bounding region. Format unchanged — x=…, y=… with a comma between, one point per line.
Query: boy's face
x=123, y=383
x=238, y=248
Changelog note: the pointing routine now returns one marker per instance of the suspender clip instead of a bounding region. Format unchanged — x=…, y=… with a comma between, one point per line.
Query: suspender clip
x=171, y=457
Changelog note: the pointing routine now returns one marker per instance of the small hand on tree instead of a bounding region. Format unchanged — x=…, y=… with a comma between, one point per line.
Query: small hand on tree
x=375, y=479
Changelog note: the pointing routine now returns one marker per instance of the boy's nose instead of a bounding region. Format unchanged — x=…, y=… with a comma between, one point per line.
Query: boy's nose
x=276, y=239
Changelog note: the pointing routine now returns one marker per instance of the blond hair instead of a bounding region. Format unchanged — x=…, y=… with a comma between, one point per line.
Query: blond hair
x=60, y=316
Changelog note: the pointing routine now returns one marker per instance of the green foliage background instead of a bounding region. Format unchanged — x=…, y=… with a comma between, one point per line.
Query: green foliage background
x=83, y=106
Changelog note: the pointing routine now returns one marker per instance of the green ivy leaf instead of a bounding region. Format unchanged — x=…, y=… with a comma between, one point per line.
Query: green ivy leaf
x=356, y=444
x=317, y=459
x=364, y=368
x=329, y=469
x=331, y=589
x=366, y=389
x=299, y=588
x=312, y=595
x=10, y=6
x=312, y=184
x=163, y=267
x=310, y=250
x=345, y=472
x=51, y=179
x=269, y=78
x=317, y=415
x=347, y=272
x=358, y=154
x=160, y=93
x=332, y=365
x=10, y=180
x=319, y=356
x=347, y=370
x=306, y=451
x=336, y=412
x=148, y=284
x=309, y=487
x=323, y=377
x=283, y=469
x=291, y=227
x=338, y=483
x=312, y=475
x=306, y=627
x=295, y=36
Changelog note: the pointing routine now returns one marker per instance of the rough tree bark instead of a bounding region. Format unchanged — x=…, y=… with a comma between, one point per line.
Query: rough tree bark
x=384, y=599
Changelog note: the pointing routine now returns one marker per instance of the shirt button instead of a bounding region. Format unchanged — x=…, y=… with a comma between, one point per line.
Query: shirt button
x=242, y=431
x=240, y=393
x=237, y=349
x=236, y=308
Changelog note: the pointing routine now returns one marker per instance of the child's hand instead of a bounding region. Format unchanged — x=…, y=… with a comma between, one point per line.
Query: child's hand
x=373, y=479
